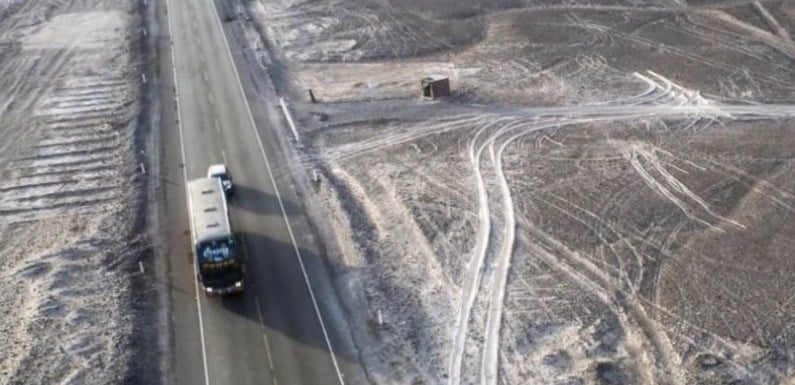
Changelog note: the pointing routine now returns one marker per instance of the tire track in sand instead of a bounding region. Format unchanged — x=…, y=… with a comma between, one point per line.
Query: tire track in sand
x=472, y=278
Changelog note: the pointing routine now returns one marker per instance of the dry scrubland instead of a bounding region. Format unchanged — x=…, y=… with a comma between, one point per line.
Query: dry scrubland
x=68, y=96
x=607, y=198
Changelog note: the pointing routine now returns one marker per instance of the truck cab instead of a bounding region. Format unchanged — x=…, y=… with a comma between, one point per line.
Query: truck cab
x=219, y=171
x=219, y=267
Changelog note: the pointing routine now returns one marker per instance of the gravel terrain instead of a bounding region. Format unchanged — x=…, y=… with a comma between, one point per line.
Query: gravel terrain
x=606, y=198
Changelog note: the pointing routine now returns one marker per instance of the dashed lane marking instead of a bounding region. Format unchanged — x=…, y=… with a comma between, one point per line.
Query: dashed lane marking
x=268, y=351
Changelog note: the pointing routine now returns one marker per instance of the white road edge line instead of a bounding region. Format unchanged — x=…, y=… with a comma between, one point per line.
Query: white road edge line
x=278, y=197
x=169, y=10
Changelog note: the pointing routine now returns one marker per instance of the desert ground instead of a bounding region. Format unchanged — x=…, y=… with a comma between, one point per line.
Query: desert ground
x=68, y=189
x=605, y=198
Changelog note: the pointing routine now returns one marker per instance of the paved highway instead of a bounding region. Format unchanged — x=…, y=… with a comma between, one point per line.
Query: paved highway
x=275, y=333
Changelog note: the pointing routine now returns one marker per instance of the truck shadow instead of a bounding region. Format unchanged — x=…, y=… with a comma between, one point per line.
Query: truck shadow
x=276, y=286
x=259, y=202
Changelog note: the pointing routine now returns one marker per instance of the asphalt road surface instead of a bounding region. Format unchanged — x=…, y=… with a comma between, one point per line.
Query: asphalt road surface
x=277, y=333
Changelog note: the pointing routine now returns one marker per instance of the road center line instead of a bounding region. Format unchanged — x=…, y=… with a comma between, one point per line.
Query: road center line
x=279, y=198
x=223, y=155
x=210, y=98
x=259, y=314
x=265, y=337
x=204, y=76
x=242, y=244
x=268, y=351
x=169, y=11
x=217, y=125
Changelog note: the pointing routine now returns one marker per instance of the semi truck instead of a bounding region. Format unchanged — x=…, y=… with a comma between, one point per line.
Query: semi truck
x=217, y=259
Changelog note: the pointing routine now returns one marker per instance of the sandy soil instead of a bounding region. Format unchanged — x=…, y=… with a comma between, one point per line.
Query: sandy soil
x=67, y=175
x=605, y=199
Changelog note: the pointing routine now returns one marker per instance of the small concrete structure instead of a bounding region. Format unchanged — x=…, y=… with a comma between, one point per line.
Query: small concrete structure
x=435, y=88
